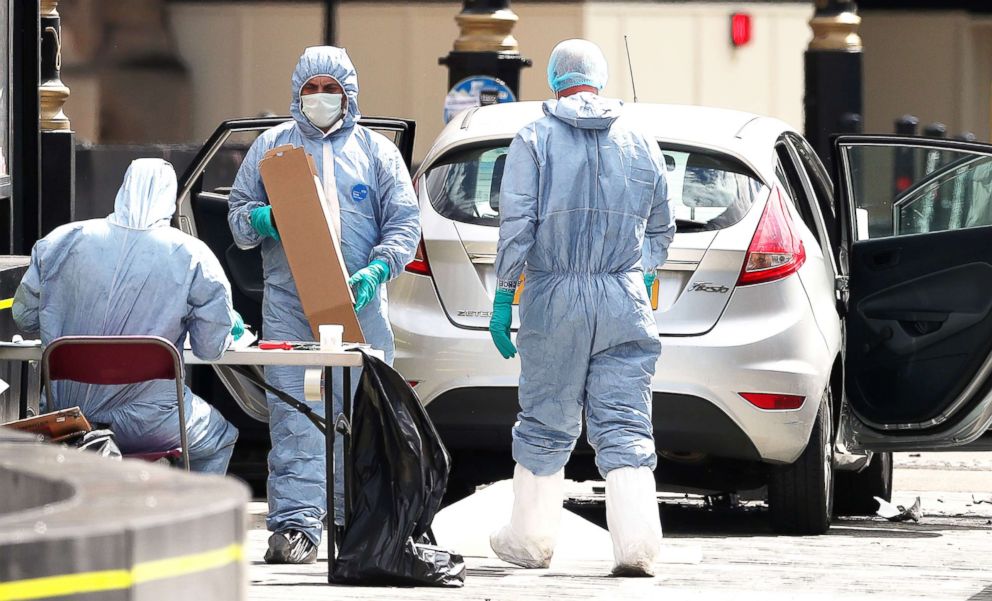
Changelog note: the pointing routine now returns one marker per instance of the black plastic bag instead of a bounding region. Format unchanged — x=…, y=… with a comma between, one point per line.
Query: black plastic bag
x=398, y=473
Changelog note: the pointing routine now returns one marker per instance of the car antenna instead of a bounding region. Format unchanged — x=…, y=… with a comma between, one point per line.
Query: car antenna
x=630, y=65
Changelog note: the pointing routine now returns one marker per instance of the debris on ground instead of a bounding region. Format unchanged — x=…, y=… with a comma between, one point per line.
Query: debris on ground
x=980, y=501
x=722, y=501
x=898, y=513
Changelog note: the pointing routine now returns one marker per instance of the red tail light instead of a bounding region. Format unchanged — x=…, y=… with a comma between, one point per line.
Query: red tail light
x=774, y=402
x=776, y=250
x=420, y=265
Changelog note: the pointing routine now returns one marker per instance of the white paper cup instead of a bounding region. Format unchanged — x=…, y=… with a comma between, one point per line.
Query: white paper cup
x=330, y=336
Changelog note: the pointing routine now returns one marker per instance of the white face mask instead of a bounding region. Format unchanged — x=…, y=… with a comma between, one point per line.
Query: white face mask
x=323, y=110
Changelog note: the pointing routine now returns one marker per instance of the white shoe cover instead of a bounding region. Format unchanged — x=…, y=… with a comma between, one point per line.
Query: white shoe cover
x=632, y=517
x=529, y=539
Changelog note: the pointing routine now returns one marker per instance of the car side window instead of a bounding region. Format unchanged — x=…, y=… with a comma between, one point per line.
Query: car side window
x=903, y=190
x=787, y=173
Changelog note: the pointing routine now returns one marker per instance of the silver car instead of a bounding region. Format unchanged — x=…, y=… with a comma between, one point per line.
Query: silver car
x=803, y=327
x=749, y=390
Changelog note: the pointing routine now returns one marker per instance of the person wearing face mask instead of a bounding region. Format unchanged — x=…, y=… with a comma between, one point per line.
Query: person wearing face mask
x=374, y=211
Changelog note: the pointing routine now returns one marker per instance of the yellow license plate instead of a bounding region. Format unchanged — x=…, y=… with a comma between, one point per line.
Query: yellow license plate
x=655, y=293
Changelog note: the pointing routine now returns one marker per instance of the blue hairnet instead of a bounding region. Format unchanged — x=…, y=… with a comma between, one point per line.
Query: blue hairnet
x=577, y=63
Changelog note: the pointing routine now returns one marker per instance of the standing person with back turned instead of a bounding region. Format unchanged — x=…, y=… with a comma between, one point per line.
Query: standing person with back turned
x=374, y=209
x=584, y=206
x=132, y=274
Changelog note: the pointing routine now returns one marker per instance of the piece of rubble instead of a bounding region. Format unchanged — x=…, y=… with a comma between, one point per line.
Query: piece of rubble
x=898, y=513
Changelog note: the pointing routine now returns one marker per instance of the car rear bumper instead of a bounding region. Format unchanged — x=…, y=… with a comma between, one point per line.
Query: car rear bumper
x=766, y=341
x=472, y=418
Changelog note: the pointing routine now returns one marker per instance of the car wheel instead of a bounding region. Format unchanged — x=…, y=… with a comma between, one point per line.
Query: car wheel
x=800, y=495
x=856, y=491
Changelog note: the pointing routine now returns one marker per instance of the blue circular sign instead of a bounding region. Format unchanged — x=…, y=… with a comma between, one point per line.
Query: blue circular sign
x=471, y=92
x=359, y=192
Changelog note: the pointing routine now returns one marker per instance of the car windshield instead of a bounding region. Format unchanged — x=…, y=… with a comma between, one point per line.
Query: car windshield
x=708, y=190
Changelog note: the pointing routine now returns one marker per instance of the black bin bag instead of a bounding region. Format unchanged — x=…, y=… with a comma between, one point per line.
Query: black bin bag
x=398, y=473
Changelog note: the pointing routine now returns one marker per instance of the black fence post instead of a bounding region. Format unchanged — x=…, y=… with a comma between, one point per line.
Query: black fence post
x=25, y=155
x=484, y=66
x=905, y=168
x=833, y=73
x=935, y=130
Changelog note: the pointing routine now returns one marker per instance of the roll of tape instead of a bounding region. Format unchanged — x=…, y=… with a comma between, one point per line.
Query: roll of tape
x=313, y=385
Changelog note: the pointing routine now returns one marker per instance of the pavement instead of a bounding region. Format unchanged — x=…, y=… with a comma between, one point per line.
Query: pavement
x=709, y=553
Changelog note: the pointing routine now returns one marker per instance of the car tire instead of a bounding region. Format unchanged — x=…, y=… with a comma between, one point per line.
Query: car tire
x=856, y=491
x=800, y=495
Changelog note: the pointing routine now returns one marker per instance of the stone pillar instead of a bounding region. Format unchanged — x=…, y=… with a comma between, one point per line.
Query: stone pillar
x=58, y=162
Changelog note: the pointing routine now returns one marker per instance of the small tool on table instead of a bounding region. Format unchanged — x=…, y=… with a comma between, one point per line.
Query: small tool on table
x=272, y=345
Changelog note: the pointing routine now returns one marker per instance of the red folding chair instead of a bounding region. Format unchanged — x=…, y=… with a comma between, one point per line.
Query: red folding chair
x=112, y=360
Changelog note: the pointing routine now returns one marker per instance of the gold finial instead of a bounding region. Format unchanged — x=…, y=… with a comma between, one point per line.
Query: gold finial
x=487, y=32
x=836, y=32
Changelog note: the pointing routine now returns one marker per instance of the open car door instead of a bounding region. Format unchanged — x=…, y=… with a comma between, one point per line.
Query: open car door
x=918, y=228
x=202, y=212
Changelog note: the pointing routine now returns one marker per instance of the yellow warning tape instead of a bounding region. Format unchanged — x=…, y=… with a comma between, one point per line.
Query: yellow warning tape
x=6, y=303
x=112, y=580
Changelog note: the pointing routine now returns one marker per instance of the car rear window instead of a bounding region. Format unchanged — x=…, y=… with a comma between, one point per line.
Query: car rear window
x=709, y=190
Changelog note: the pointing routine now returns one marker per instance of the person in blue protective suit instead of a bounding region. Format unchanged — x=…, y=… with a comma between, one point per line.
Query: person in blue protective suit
x=131, y=274
x=584, y=211
x=371, y=200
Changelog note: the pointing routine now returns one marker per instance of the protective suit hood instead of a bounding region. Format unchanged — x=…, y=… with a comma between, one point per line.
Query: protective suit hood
x=585, y=110
x=147, y=198
x=325, y=60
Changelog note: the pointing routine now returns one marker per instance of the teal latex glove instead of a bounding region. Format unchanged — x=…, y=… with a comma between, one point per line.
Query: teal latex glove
x=499, y=323
x=238, y=330
x=365, y=283
x=649, y=278
x=261, y=220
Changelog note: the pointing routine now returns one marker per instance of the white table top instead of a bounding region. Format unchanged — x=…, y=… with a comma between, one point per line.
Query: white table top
x=249, y=356
x=255, y=356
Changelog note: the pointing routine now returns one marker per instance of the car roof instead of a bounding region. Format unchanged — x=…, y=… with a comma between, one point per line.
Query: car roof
x=748, y=137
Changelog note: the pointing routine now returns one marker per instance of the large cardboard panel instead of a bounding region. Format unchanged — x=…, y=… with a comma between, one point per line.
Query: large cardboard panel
x=311, y=243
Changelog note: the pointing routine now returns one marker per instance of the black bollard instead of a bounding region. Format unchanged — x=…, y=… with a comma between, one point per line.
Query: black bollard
x=905, y=168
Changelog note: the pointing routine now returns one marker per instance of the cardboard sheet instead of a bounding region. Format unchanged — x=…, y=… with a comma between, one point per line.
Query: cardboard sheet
x=311, y=244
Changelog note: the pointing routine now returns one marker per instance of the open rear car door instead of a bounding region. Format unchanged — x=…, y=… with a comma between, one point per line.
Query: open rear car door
x=918, y=229
x=202, y=212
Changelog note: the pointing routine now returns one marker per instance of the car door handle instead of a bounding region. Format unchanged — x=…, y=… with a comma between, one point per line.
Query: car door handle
x=908, y=316
x=885, y=259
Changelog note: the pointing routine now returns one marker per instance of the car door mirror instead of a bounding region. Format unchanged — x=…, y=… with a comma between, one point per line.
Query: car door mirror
x=670, y=164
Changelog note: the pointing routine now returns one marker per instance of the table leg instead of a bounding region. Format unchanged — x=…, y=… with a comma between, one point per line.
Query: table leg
x=329, y=419
x=23, y=392
x=346, y=410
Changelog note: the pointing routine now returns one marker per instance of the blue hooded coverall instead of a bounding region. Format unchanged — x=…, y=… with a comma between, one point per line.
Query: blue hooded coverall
x=131, y=274
x=584, y=205
x=380, y=219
